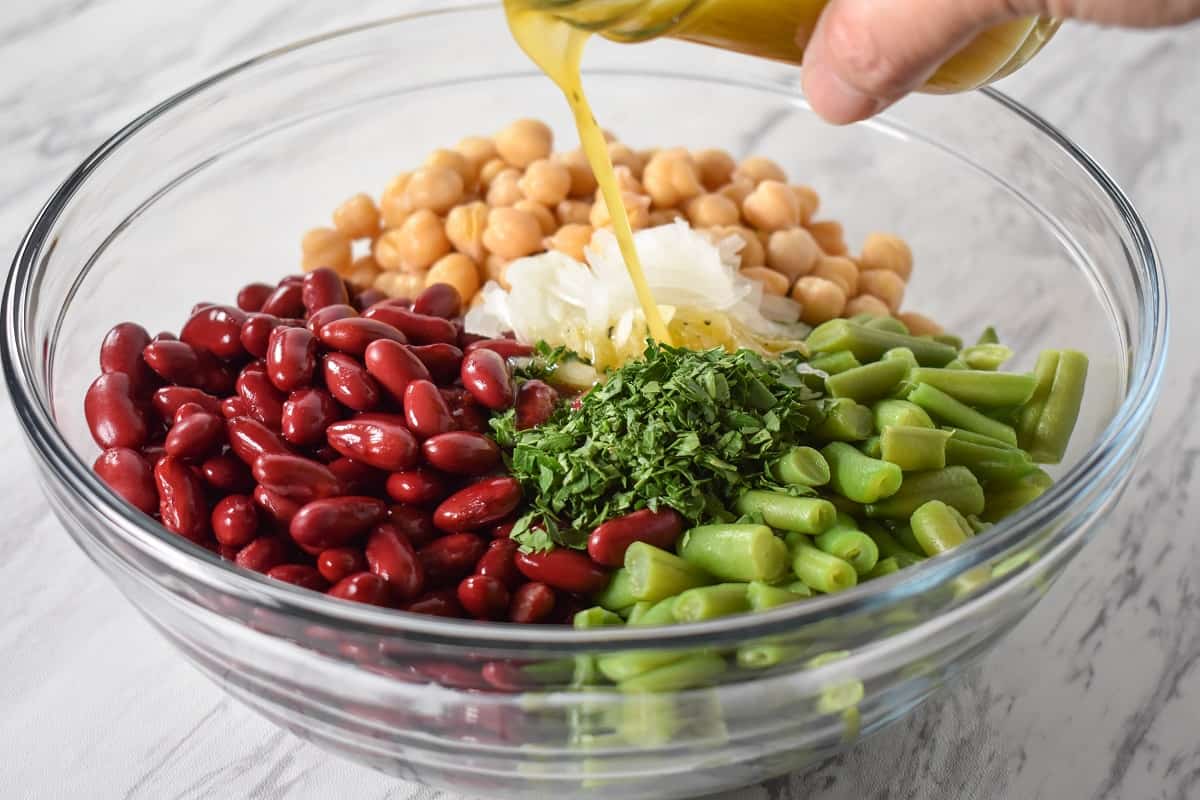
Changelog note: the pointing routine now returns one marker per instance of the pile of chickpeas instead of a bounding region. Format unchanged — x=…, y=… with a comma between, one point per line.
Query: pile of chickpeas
x=469, y=211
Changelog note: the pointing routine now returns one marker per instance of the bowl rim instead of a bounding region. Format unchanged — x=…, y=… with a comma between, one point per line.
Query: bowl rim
x=1108, y=452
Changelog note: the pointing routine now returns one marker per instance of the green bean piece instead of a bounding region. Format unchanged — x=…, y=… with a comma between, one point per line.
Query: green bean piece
x=852, y=546
x=868, y=383
x=989, y=463
x=822, y=571
x=989, y=336
x=845, y=421
x=646, y=720
x=971, y=437
x=585, y=672
x=989, y=357
x=907, y=559
x=957, y=365
x=1006, y=498
x=954, y=486
x=977, y=525
x=837, y=699
x=787, y=513
x=637, y=611
x=802, y=466
x=687, y=673
x=793, y=539
x=834, y=363
x=623, y=666
x=979, y=388
x=859, y=477
x=845, y=505
x=619, y=592
x=948, y=339
x=884, y=540
x=1043, y=374
x=872, y=448
x=887, y=324
x=655, y=574
x=762, y=596
x=883, y=568
x=958, y=414
x=710, y=602
x=799, y=587
x=869, y=344
x=937, y=529
x=595, y=617
x=660, y=613
x=907, y=539
x=900, y=412
x=739, y=552
x=914, y=449
x=766, y=655
x=1060, y=413
x=624, y=613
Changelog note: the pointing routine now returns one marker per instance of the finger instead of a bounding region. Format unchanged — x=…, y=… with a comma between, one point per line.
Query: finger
x=866, y=54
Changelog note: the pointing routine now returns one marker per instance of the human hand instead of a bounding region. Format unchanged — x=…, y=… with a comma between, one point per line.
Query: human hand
x=866, y=54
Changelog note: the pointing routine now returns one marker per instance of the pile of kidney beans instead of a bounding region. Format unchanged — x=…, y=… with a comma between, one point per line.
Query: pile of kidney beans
x=336, y=440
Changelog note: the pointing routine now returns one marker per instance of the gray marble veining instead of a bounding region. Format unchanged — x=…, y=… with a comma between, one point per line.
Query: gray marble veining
x=1096, y=695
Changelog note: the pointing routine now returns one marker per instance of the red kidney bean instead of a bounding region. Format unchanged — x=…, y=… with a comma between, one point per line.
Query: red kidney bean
x=235, y=520
x=536, y=403
x=152, y=453
x=506, y=348
x=338, y=562
x=415, y=523
x=353, y=335
x=121, y=351
x=227, y=473
x=609, y=541
x=168, y=399
x=198, y=307
x=505, y=676
x=262, y=554
x=164, y=336
x=462, y=453
x=335, y=521
x=301, y=575
x=500, y=562
x=392, y=557
x=255, y=335
x=365, y=587
x=291, y=358
x=443, y=361
x=249, y=439
x=479, y=505
x=377, y=440
x=419, y=328
x=217, y=377
x=425, y=410
x=440, y=300
x=280, y=509
x=175, y=362
x=367, y=298
x=112, y=414
x=355, y=477
x=565, y=569
x=195, y=435
x=440, y=603
x=503, y=530
x=323, y=287
x=263, y=401
x=467, y=414
x=286, y=300
x=226, y=552
x=349, y=383
x=216, y=330
x=328, y=314
x=294, y=477
x=235, y=406
x=486, y=376
x=531, y=603
x=306, y=414
x=186, y=410
x=418, y=487
x=483, y=597
x=130, y=476
x=394, y=366
x=181, y=499
x=252, y=296
x=451, y=557
x=566, y=607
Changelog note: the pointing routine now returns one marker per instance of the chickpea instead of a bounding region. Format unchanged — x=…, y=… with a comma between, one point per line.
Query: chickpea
x=438, y=189
x=919, y=324
x=363, y=271
x=491, y=169
x=464, y=228
x=546, y=182
x=664, y=216
x=400, y=284
x=866, y=304
x=830, y=236
x=840, y=270
x=583, y=181
x=624, y=156
x=884, y=251
x=495, y=268
x=544, y=216
x=737, y=190
x=759, y=169
x=505, y=189
x=456, y=270
x=716, y=168
x=794, y=252
x=572, y=240
x=573, y=212
x=627, y=181
x=772, y=207
x=477, y=150
x=512, y=233
x=324, y=247
x=712, y=210
x=524, y=142
x=637, y=208
x=820, y=300
x=357, y=218
x=810, y=201
x=394, y=207
x=671, y=178
x=752, y=253
x=773, y=282
x=454, y=160
x=884, y=284
x=415, y=245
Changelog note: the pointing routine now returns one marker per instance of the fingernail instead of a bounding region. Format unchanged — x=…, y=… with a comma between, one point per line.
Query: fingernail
x=836, y=100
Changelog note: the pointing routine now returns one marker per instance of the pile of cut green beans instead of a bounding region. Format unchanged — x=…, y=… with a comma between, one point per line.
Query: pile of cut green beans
x=924, y=444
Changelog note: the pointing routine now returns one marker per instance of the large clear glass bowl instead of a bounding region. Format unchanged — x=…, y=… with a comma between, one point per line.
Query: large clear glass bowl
x=1012, y=225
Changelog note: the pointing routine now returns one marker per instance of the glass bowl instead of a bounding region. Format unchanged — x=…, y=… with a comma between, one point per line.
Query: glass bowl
x=1011, y=223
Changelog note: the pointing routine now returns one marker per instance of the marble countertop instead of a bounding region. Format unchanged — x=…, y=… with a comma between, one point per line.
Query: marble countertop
x=1095, y=695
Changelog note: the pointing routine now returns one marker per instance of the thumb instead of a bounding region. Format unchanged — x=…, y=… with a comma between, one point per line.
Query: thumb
x=866, y=54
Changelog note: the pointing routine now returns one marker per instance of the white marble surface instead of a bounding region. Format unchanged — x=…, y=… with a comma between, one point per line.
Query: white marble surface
x=1096, y=695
